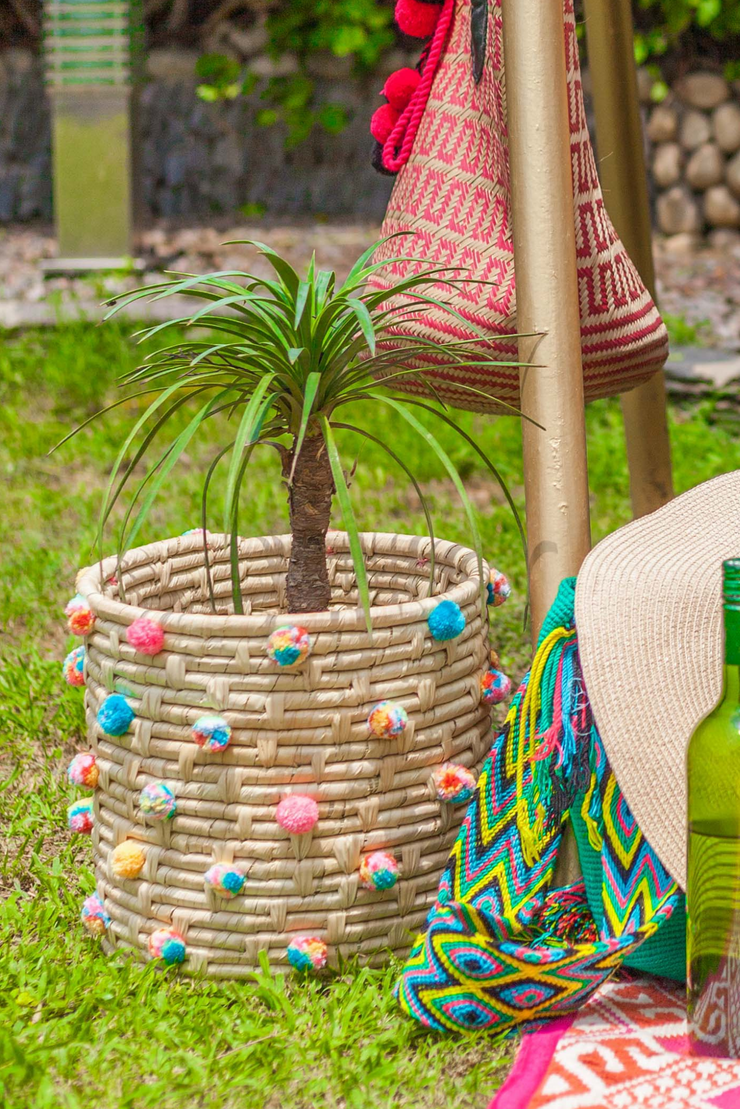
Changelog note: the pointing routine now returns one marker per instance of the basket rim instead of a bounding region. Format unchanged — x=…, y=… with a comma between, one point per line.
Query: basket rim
x=461, y=558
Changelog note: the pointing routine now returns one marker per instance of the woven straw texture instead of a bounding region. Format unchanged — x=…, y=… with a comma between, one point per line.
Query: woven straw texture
x=299, y=730
x=454, y=194
x=649, y=617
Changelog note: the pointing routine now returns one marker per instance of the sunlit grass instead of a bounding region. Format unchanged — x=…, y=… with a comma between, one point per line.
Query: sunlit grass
x=77, y=1029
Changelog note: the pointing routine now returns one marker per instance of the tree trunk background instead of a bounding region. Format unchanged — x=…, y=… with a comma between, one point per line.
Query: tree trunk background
x=309, y=504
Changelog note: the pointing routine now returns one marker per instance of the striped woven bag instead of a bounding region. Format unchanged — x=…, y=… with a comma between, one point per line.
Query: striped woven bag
x=448, y=145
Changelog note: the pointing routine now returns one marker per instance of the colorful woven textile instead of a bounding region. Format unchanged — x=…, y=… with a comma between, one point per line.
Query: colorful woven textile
x=500, y=948
x=627, y=1049
x=453, y=193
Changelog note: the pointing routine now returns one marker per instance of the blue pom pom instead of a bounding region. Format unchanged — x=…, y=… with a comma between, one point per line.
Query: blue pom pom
x=173, y=951
x=446, y=621
x=233, y=881
x=115, y=715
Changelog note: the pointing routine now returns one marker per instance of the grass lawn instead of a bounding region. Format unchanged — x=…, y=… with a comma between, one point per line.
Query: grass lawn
x=77, y=1029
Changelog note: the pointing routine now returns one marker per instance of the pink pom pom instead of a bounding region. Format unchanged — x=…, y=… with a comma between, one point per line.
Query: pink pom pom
x=417, y=18
x=383, y=121
x=453, y=783
x=308, y=953
x=297, y=813
x=401, y=86
x=83, y=770
x=495, y=686
x=145, y=636
x=80, y=617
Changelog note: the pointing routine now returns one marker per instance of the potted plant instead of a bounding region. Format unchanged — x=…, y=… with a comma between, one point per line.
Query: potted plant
x=284, y=729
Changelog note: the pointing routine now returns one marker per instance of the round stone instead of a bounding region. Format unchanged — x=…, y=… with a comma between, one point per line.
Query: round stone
x=705, y=167
x=702, y=90
x=663, y=124
x=695, y=130
x=726, y=126
x=721, y=208
x=677, y=211
x=732, y=174
x=667, y=162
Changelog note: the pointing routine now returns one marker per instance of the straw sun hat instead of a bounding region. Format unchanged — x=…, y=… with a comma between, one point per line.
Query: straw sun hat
x=649, y=616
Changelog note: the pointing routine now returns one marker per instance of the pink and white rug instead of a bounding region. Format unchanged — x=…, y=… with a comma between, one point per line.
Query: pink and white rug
x=626, y=1049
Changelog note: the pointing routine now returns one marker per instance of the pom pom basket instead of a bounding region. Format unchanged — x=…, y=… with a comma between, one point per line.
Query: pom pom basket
x=297, y=730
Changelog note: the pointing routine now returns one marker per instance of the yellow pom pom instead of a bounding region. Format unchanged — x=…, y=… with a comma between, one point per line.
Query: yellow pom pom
x=127, y=859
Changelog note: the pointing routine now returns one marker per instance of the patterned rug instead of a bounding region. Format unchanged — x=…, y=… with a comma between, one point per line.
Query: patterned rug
x=627, y=1048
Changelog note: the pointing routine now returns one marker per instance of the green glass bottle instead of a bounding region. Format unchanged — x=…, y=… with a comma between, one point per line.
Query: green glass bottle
x=713, y=880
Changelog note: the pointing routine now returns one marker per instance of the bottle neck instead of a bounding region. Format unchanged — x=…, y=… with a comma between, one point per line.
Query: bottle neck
x=731, y=689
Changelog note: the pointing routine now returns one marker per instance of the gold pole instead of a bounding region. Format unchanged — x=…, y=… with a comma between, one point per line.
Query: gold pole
x=555, y=469
x=609, y=33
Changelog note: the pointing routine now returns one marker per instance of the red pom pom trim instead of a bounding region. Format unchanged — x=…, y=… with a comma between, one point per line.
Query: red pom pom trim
x=384, y=120
x=393, y=146
x=416, y=18
x=401, y=86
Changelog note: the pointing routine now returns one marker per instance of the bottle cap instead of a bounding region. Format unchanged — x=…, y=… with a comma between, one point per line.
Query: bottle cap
x=731, y=581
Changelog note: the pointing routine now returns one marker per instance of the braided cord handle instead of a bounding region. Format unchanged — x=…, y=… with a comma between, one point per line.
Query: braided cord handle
x=398, y=145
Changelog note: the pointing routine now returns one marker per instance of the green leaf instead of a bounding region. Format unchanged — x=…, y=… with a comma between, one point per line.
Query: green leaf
x=312, y=386
x=365, y=322
x=481, y=454
x=164, y=467
x=454, y=476
x=233, y=529
x=348, y=40
x=365, y=257
x=245, y=436
x=348, y=515
x=204, y=520
x=139, y=424
x=304, y=289
x=283, y=269
x=419, y=492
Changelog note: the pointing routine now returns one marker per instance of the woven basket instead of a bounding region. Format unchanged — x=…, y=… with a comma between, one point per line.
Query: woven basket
x=298, y=730
x=454, y=194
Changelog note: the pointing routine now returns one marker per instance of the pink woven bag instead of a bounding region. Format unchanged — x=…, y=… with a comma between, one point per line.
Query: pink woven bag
x=450, y=145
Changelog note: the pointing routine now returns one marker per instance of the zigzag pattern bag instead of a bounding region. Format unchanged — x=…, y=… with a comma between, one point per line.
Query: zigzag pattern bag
x=453, y=191
x=501, y=947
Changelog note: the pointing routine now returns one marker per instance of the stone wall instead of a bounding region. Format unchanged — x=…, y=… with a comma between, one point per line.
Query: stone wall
x=25, y=144
x=202, y=160
x=694, y=138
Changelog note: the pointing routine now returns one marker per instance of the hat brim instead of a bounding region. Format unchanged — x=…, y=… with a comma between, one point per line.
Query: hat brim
x=648, y=611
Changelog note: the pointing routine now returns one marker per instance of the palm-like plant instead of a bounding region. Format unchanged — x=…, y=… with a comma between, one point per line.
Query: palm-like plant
x=282, y=358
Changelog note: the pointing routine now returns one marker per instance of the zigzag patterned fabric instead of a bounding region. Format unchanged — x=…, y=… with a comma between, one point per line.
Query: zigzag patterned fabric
x=453, y=193
x=501, y=947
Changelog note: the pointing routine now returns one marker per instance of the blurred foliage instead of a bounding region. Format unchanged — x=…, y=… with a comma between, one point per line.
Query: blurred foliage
x=356, y=29
x=662, y=24
x=361, y=30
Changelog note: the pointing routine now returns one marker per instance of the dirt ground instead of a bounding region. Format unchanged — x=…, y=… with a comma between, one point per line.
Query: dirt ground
x=698, y=282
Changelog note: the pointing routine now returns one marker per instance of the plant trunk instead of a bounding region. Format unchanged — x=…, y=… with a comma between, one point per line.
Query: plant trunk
x=309, y=503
